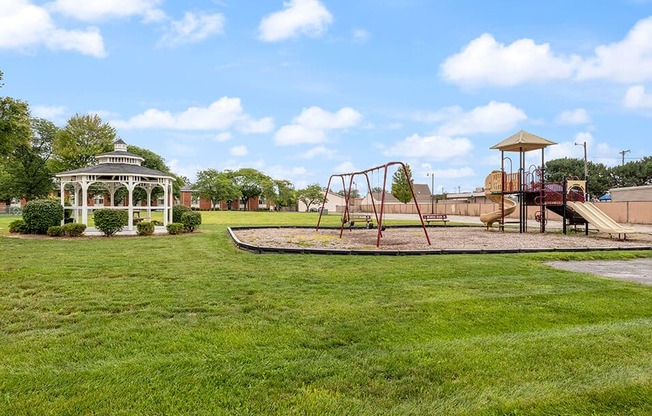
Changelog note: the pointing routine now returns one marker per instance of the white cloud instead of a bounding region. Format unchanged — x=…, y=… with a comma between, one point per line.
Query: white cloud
x=313, y=123
x=495, y=117
x=596, y=151
x=638, y=98
x=629, y=60
x=96, y=10
x=345, y=167
x=264, y=125
x=24, y=25
x=576, y=116
x=454, y=173
x=433, y=147
x=222, y=114
x=194, y=27
x=239, y=151
x=308, y=17
x=485, y=61
x=223, y=136
x=49, y=112
x=319, y=151
x=360, y=35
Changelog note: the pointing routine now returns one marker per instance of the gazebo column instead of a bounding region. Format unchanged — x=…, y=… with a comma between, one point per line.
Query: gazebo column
x=131, y=185
x=166, y=204
x=62, y=188
x=149, y=189
x=84, y=200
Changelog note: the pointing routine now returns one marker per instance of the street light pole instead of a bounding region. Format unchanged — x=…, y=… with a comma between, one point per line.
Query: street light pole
x=586, y=171
x=432, y=192
x=623, y=153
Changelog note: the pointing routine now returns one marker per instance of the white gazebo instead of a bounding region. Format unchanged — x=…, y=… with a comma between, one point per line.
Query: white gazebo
x=115, y=170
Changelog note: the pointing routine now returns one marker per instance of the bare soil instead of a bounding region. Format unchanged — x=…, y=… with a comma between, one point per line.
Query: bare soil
x=441, y=238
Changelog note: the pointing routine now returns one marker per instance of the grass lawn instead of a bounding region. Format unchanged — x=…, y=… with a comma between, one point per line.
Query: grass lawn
x=190, y=325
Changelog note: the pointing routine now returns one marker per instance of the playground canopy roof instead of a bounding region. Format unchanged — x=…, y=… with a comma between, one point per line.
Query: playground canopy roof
x=523, y=142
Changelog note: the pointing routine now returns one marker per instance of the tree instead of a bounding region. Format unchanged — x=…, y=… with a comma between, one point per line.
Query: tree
x=285, y=195
x=15, y=126
x=311, y=194
x=354, y=193
x=599, y=179
x=84, y=136
x=152, y=161
x=252, y=184
x=636, y=173
x=401, y=184
x=27, y=166
x=216, y=186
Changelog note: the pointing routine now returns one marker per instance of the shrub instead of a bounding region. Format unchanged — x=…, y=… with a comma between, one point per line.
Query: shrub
x=110, y=221
x=41, y=214
x=18, y=226
x=175, y=228
x=191, y=220
x=74, y=229
x=178, y=211
x=145, y=228
x=55, y=231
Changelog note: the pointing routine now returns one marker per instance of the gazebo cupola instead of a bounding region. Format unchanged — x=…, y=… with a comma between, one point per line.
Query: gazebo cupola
x=115, y=170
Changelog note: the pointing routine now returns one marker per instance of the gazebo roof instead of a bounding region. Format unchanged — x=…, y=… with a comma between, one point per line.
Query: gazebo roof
x=523, y=142
x=115, y=169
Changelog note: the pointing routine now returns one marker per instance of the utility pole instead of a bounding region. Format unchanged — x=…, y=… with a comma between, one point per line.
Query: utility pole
x=622, y=153
x=586, y=171
x=432, y=192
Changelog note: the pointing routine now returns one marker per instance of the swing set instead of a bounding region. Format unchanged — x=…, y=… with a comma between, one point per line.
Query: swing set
x=347, y=185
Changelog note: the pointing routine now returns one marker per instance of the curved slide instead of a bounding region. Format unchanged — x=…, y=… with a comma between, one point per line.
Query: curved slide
x=491, y=217
x=597, y=218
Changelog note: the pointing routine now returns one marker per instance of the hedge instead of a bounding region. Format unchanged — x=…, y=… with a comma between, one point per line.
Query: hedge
x=145, y=228
x=18, y=226
x=178, y=211
x=110, y=221
x=74, y=229
x=191, y=220
x=41, y=214
x=175, y=228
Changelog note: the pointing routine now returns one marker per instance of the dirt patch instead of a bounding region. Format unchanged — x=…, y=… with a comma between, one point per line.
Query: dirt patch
x=441, y=238
x=637, y=270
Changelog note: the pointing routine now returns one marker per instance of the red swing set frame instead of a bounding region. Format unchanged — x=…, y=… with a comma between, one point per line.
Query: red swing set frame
x=379, y=216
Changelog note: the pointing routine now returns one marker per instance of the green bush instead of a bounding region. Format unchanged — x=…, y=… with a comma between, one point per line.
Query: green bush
x=178, y=211
x=191, y=220
x=74, y=229
x=145, y=228
x=18, y=226
x=41, y=214
x=55, y=231
x=110, y=221
x=175, y=228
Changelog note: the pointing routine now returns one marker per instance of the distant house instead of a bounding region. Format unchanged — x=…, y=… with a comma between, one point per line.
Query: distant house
x=335, y=203
x=631, y=194
x=421, y=191
x=203, y=204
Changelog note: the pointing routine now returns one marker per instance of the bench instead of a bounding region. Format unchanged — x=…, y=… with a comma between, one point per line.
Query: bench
x=366, y=217
x=435, y=217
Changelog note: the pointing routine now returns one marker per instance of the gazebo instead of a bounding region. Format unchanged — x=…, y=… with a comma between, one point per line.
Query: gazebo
x=115, y=170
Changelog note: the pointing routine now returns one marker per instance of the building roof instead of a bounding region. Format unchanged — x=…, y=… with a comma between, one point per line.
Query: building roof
x=523, y=142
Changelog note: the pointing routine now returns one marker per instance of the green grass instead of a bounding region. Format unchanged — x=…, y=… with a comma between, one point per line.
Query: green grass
x=190, y=325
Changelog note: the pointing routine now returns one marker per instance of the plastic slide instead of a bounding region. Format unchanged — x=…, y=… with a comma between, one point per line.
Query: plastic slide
x=598, y=219
x=492, y=217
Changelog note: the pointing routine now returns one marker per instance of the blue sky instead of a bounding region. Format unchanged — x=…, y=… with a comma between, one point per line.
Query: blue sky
x=302, y=89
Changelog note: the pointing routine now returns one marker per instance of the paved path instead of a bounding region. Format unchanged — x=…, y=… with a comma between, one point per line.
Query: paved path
x=637, y=270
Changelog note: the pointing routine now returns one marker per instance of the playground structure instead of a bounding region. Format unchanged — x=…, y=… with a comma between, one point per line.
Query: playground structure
x=347, y=186
x=529, y=188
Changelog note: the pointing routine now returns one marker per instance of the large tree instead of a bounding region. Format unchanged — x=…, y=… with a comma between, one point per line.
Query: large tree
x=284, y=193
x=251, y=183
x=27, y=166
x=599, y=179
x=215, y=186
x=311, y=194
x=635, y=173
x=83, y=137
x=401, y=184
x=15, y=126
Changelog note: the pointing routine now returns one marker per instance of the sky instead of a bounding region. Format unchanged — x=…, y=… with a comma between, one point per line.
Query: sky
x=303, y=89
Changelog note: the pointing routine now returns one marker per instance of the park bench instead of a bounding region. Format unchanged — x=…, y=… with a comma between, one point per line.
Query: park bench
x=362, y=217
x=435, y=217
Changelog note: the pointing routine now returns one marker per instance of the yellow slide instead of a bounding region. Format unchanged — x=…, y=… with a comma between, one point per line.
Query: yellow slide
x=492, y=188
x=491, y=217
x=597, y=218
